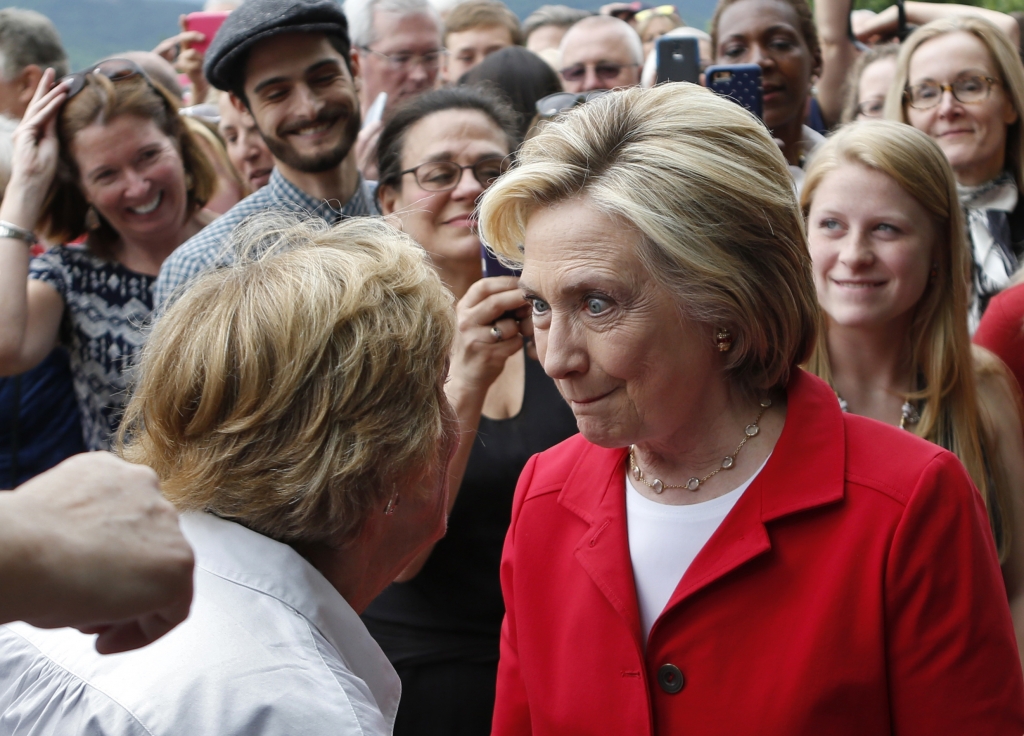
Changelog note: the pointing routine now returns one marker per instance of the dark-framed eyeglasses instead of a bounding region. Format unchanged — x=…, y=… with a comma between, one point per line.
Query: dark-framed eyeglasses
x=440, y=176
x=968, y=90
x=404, y=60
x=603, y=70
x=116, y=70
x=548, y=107
x=871, y=108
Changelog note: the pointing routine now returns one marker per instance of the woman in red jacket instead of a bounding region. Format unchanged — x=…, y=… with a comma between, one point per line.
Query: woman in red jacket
x=722, y=551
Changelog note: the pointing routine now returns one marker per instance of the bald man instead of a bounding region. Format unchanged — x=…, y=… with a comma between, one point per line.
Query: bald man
x=600, y=52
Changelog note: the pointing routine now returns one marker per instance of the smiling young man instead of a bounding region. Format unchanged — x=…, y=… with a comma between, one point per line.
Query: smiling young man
x=293, y=71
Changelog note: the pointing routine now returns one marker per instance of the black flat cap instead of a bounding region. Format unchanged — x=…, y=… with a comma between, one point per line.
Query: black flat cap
x=257, y=20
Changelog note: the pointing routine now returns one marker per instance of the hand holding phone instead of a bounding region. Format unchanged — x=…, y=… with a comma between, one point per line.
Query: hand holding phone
x=207, y=23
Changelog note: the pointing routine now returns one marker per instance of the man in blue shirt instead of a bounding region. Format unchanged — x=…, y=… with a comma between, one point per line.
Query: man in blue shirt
x=293, y=70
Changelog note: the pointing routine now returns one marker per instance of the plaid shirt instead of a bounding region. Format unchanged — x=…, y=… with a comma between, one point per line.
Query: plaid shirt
x=210, y=247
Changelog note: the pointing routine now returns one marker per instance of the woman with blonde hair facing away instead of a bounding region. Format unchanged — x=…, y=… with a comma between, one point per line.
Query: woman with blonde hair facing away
x=961, y=81
x=721, y=550
x=293, y=408
x=886, y=238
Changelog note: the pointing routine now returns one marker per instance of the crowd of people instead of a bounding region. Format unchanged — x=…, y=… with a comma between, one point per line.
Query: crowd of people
x=399, y=366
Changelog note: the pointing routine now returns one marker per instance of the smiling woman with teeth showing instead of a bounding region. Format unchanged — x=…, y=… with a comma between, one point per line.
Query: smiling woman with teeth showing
x=885, y=232
x=104, y=154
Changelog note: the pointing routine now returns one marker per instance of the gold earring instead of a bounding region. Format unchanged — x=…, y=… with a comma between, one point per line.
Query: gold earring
x=92, y=219
x=723, y=339
x=190, y=182
x=389, y=510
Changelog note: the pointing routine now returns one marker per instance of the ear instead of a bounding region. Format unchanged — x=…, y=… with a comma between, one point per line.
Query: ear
x=388, y=198
x=28, y=80
x=1010, y=115
x=355, y=69
x=238, y=103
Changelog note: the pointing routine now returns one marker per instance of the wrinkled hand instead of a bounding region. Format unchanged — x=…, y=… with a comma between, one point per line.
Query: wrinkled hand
x=478, y=356
x=36, y=148
x=366, y=150
x=110, y=557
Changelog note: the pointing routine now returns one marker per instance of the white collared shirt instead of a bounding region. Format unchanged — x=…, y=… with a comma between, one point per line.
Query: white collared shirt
x=270, y=648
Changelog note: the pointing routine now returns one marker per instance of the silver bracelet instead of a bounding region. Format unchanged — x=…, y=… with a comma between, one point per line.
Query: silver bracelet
x=10, y=230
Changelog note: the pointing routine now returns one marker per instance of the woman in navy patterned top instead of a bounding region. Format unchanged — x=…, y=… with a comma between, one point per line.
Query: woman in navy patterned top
x=102, y=154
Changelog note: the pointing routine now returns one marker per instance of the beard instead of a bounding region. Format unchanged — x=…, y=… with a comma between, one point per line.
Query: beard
x=318, y=163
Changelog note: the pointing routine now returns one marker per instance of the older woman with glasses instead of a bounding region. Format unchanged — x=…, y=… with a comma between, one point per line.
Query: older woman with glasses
x=721, y=550
x=961, y=81
x=440, y=624
x=104, y=155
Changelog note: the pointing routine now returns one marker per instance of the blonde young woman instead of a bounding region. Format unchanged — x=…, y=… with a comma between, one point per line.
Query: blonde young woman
x=960, y=80
x=886, y=238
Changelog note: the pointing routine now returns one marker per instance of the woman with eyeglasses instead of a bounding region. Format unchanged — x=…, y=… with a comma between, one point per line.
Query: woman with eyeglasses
x=653, y=23
x=102, y=154
x=440, y=624
x=960, y=80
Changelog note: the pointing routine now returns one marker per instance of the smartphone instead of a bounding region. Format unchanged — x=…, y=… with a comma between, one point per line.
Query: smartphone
x=678, y=60
x=376, y=110
x=491, y=266
x=207, y=23
x=739, y=82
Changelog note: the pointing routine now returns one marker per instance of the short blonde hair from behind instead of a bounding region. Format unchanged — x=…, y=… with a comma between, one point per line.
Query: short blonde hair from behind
x=707, y=190
x=296, y=391
x=1008, y=66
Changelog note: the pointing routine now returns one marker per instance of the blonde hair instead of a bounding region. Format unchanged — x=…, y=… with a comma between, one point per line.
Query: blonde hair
x=1008, y=67
x=297, y=391
x=706, y=188
x=940, y=347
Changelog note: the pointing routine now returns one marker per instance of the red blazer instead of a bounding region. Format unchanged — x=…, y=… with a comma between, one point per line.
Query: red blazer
x=853, y=589
x=1002, y=329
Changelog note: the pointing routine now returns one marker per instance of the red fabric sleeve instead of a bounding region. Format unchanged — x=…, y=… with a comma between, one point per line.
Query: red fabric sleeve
x=511, y=706
x=1002, y=330
x=953, y=666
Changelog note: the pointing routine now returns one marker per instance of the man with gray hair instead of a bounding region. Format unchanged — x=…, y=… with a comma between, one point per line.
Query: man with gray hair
x=600, y=52
x=398, y=46
x=29, y=44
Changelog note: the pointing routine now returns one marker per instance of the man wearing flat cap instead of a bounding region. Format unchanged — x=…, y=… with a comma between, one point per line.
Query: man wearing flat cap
x=290, y=65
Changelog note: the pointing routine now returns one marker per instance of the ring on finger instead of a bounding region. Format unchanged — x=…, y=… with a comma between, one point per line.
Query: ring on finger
x=497, y=333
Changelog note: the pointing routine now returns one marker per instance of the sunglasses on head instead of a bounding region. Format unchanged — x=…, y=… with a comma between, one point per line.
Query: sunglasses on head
x=643, y=15
x=548, y=107
x=116, y=70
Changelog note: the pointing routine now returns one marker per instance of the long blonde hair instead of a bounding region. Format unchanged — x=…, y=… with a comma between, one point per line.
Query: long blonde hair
x=940, y=347
x=1004, y=56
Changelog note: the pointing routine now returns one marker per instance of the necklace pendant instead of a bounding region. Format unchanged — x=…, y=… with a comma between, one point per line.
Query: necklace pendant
x=910, y=414
x=728, y=462
x=751, y=430
x=693, y=484
x=638, y=476
x=657, y=486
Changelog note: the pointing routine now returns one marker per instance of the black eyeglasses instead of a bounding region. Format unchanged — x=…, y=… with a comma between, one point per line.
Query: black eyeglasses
x=603, y=70
x=116, y=70
x=548, y=107
x=968, y=90
x=440, y=176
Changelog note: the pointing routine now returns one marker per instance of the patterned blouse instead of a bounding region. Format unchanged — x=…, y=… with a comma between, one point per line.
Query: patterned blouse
x=106, y=307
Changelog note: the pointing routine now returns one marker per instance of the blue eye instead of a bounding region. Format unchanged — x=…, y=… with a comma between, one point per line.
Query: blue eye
x=539, y=306
x=596, y=305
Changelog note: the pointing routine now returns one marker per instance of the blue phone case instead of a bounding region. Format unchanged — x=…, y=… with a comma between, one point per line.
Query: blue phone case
x=740, y=83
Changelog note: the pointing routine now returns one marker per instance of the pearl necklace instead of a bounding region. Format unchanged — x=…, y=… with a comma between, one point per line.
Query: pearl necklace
x=656, y=484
